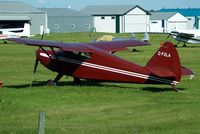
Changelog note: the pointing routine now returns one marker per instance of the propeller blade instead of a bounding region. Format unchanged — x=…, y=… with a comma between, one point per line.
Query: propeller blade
x=35, y=67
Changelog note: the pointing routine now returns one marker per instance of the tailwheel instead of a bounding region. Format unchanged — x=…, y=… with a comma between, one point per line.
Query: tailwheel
x=51, y=83
x=174, y=88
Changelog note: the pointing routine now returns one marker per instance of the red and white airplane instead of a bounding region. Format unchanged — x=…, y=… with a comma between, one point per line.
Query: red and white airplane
x=94, y=61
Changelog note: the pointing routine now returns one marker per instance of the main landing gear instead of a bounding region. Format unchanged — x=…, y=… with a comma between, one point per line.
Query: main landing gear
x=76, y=81
x=184, y=44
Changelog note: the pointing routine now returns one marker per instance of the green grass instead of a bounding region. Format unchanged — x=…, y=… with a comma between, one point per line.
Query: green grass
x=95, y=108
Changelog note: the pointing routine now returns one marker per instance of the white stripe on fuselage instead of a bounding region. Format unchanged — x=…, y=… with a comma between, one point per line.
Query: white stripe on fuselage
x=114, y=70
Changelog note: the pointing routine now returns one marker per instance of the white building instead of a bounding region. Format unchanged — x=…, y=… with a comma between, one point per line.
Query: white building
x=192, y=14
x=14, y=14
x=119, y=18
x=164, y=22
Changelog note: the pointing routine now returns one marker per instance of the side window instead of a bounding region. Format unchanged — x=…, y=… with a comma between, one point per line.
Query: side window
x=73, y=26
x=102, y=17
x=56, y=26
x=87, y=25
x=154, y=22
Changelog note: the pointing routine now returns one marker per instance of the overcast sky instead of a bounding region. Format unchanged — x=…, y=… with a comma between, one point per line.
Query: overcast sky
x=146, y=4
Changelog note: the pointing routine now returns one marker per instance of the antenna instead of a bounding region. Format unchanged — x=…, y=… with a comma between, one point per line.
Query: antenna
x=68, y=4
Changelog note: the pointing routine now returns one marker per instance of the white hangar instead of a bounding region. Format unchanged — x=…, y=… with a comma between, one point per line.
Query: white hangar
x=14, y=14
x=119, y=18
x=164, y=22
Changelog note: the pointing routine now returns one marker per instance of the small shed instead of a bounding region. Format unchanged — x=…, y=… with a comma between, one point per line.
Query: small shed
x=163, y=22
x=14, y=14
x=119, y=18
x=68, y=20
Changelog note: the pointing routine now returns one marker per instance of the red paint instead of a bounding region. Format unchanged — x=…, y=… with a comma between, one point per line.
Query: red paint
x=163, y=67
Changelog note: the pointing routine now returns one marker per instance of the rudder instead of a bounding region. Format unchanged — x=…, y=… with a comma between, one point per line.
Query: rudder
x=165, y=62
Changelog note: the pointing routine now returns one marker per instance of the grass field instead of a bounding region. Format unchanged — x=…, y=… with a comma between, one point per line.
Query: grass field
x=108, y=108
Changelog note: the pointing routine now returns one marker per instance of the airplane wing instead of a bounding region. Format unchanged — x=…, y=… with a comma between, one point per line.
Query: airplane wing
x=80, y=47
x=186, y=71
x=118, y=45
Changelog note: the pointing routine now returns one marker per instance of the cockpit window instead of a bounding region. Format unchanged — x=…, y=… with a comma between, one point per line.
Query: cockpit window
x=73, y=55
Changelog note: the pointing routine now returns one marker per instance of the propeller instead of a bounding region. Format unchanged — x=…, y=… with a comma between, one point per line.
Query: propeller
x=34, y=71
x=36, y=63
x=36, y=60
x=35, y=66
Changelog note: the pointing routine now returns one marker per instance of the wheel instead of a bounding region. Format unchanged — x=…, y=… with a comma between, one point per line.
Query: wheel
x=50, y=83
x=1, y=83
x=77, y=81
x=5, y=42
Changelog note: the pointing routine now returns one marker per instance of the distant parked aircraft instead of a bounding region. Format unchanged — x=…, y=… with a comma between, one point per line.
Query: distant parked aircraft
x=15, y=32
x=186, y=36
x=112, y=38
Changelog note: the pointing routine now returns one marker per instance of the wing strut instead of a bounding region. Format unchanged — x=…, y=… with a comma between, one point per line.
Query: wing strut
x=45, y=52
x=54, y=52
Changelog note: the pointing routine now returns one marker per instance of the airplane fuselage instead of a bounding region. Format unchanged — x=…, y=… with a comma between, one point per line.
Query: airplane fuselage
x=99, y=67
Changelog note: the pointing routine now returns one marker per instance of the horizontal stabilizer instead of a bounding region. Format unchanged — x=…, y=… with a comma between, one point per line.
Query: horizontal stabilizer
x=161, y=72
x=186, y=71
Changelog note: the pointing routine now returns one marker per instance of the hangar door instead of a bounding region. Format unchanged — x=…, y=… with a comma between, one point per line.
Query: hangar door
x=105, y=24
x=13, y=21
x=177, y=25
x=135, y=23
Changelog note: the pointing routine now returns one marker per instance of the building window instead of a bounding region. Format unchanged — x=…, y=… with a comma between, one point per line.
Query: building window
x=102, y=17
x=56, y=26
x=73, y=26
x=113, y=17
x=189, y=19
x=87, y=25
x=154, y=22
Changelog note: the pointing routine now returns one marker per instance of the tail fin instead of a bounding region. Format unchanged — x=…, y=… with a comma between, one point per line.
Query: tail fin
x=26, y=30
x=146, y=37
x=165, y=62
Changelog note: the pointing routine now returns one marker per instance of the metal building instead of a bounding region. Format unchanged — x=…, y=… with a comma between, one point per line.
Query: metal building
x=119, y=18
x=13, y=14
x=68, y=20
x=164, y=22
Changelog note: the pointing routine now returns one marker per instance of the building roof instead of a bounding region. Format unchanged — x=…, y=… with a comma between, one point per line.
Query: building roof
x=161, y=15
x=5, y=18
x=110, y=9
x=17, y=7
x=184, y=11
x=63, y=12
